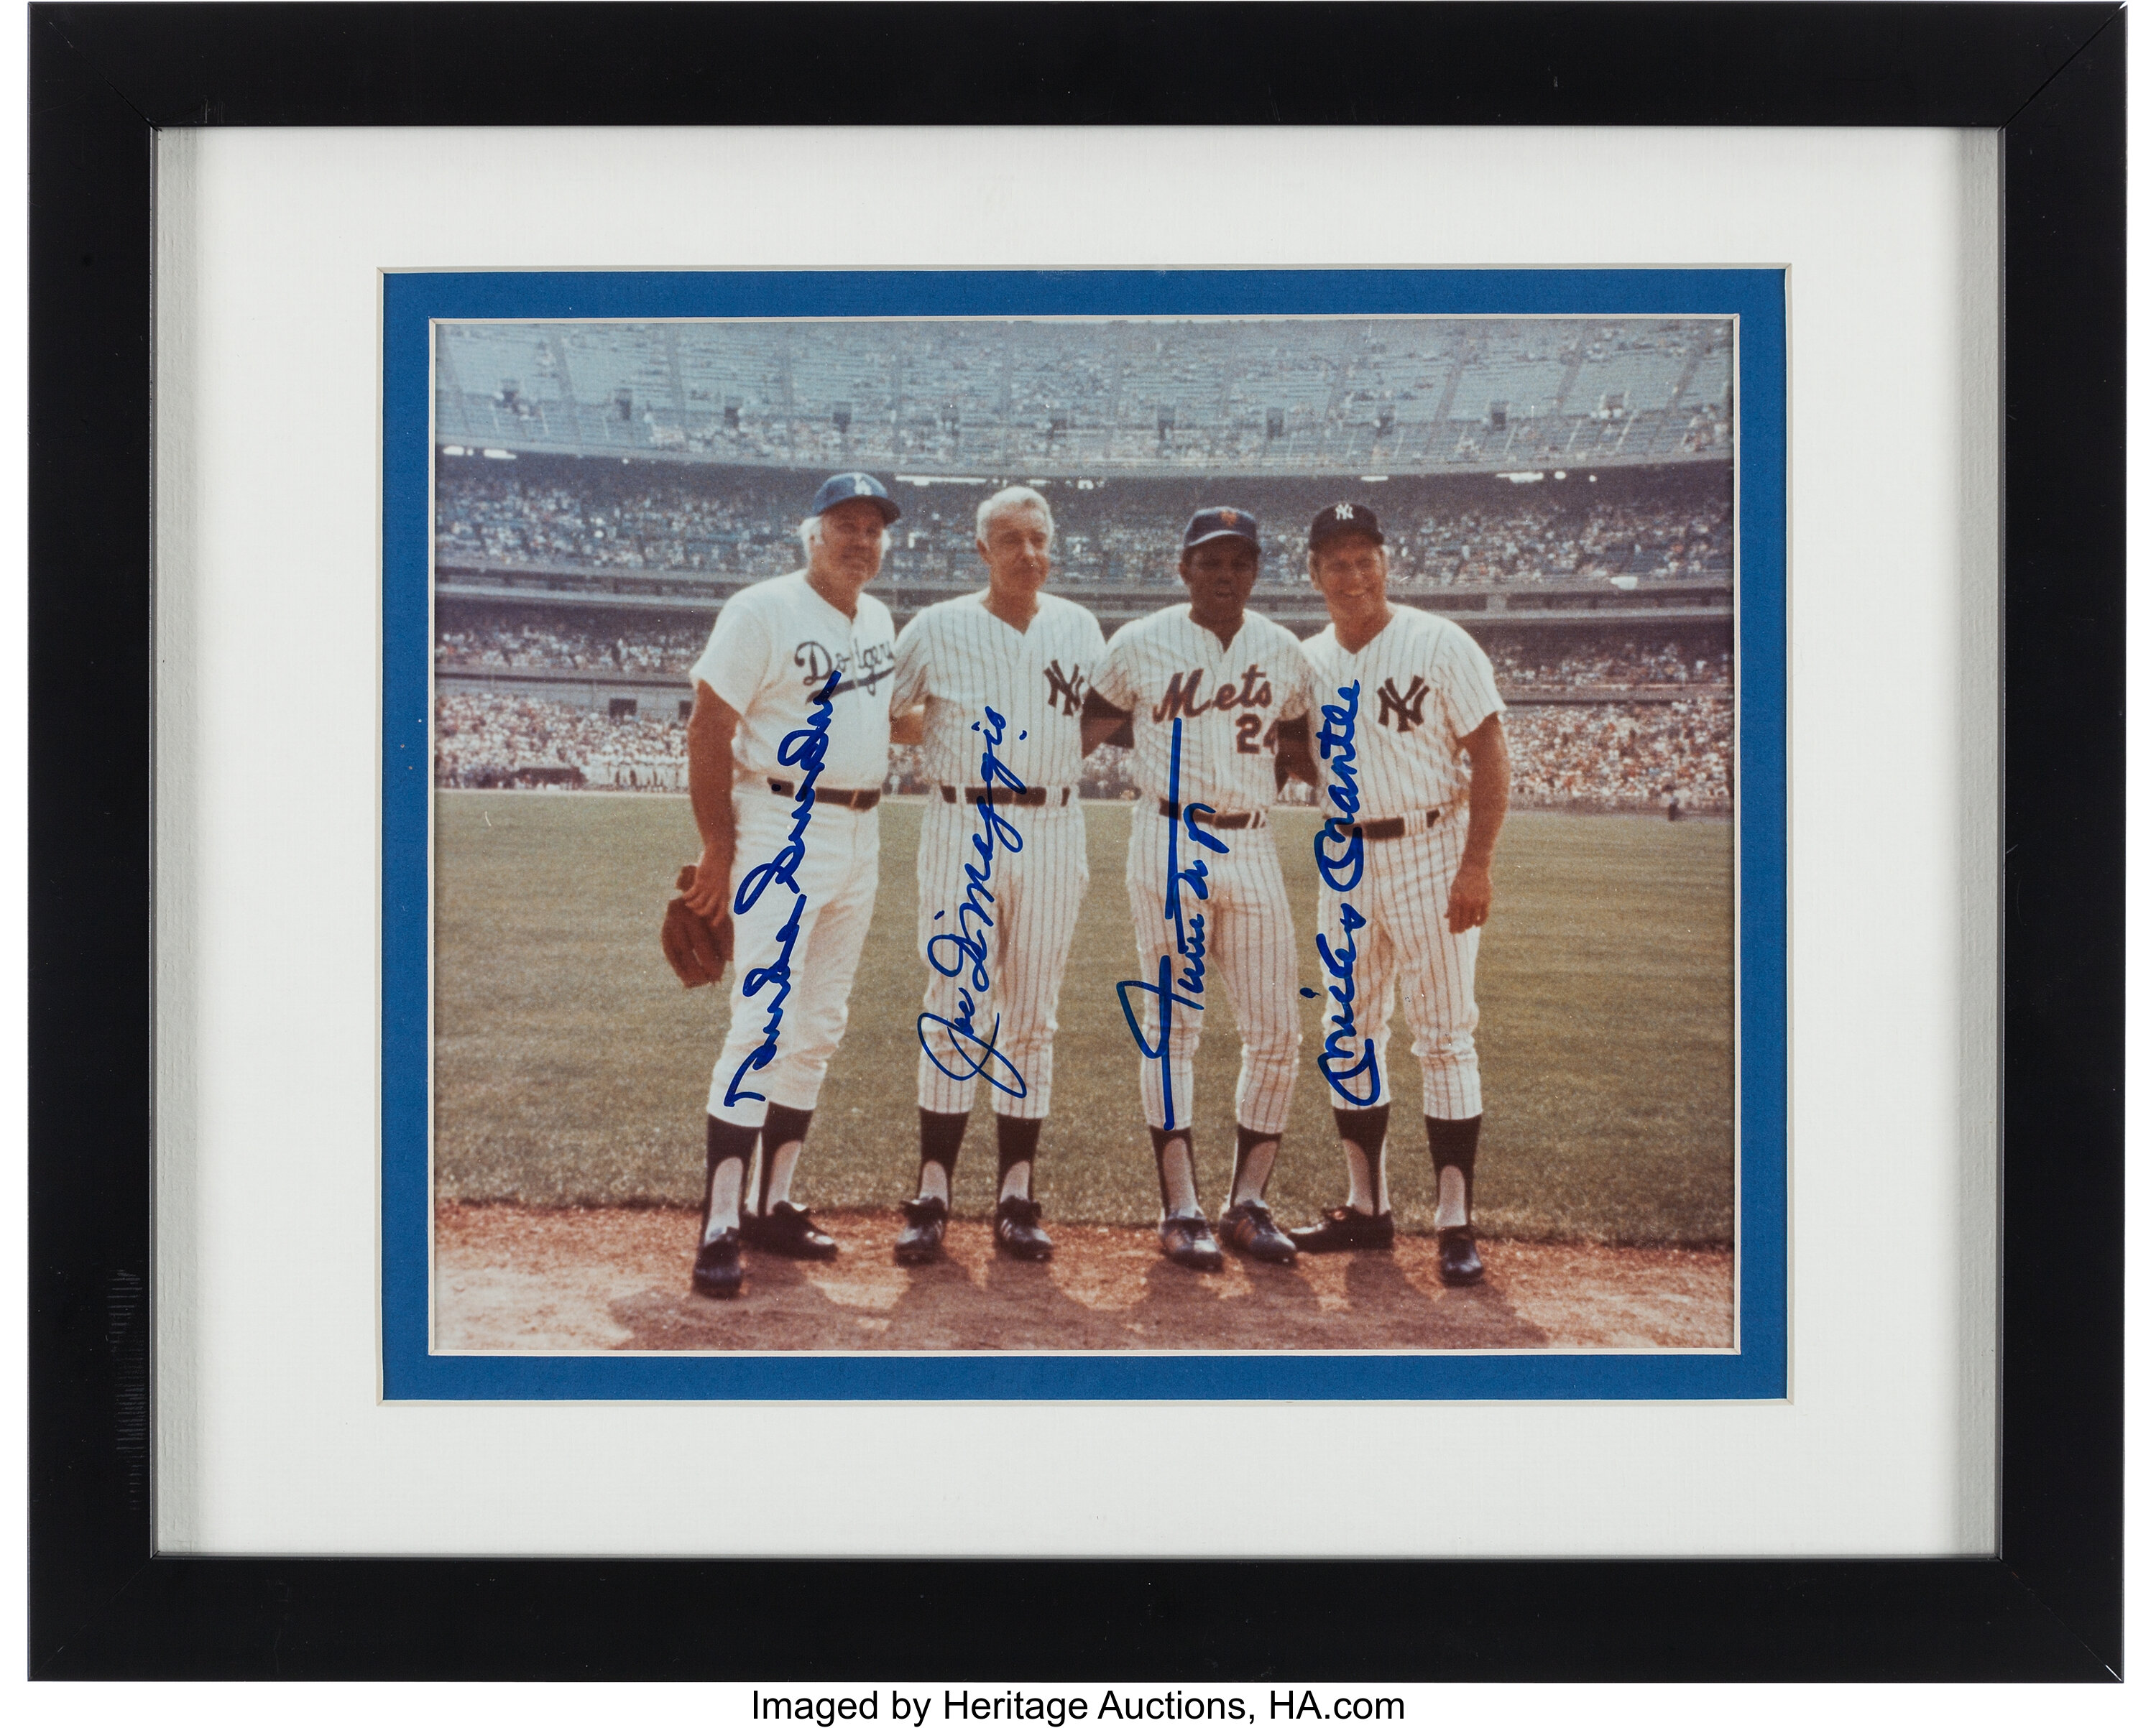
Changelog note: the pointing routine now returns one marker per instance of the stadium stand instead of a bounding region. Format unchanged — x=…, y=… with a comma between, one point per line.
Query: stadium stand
x=548, y=515
x=1611, y=755
x=1562, y=487
x=533, y=638
x=1307, y=396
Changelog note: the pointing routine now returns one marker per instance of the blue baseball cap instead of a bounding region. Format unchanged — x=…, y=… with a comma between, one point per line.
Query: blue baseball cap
x=840, y=487
x=1336, y=519
x=1221, y=520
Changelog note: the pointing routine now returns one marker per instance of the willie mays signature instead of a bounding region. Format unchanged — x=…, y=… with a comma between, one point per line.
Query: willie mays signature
x=803, y=748
x=1189, y=931
x=965, y=950
x=1342, y=870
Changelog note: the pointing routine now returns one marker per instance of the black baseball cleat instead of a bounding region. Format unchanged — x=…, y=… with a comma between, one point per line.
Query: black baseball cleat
x=1018, y=1230
x=921, y=1240
x=718, y=1266
x=1188, y=1242
x=787, y=1229
x=1457, y=1261
x=1248, y=1227
x=1343, y=1229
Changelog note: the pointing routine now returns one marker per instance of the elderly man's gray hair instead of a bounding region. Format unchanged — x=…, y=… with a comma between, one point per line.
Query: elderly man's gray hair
x=1011, y=498
x=811, y=530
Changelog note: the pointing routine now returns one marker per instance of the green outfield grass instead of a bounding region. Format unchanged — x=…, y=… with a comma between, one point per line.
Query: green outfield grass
x=571, y=1067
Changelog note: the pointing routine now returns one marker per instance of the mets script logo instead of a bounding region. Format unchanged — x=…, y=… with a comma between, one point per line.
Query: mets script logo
x=1189, y=694
x=1065, y=687
x=1404, y=711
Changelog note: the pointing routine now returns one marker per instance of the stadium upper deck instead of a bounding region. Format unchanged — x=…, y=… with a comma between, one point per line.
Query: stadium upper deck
x=1069, y=398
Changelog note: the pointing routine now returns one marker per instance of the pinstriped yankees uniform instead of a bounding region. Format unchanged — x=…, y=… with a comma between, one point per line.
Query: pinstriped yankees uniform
x=1231, y=702
x=968, y=664
x=1425, y=684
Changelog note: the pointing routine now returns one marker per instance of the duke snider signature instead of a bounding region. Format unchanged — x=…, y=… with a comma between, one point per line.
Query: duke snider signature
x=803, y=748
x=1172, y=992
x=964, y=950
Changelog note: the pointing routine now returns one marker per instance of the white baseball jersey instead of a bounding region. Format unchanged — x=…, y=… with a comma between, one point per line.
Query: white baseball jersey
x=964, y=659
x=1230, y=700
x=995, y=951
x=799, y=928
x=1425, y=684
x=773, y=649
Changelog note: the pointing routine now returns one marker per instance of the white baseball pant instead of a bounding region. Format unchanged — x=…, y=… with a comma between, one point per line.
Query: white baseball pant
x=804, y=991
x=1406, y=942
x=1034, y=912
x=1250, y=964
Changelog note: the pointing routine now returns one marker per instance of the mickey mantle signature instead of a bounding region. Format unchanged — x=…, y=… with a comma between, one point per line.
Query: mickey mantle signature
x=1343, y=870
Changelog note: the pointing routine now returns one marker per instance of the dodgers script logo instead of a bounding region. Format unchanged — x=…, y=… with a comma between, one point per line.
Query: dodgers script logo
x=856, y=671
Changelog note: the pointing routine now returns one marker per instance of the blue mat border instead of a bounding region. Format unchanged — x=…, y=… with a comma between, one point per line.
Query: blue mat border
x=1757, y=1370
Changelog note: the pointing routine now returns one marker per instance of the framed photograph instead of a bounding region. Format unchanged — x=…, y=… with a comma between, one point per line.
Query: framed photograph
x=1125, y=633
x=1559, y=476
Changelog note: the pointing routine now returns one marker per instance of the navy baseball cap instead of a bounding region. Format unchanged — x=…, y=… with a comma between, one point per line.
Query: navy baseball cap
x=840, y=487
x=1213, y=524
x=1336, y=519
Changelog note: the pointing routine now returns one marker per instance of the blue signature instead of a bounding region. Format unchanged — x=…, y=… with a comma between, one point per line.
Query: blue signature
x=965, y=951
x=1339, y=849
x=803, y=748
x=1189, y=930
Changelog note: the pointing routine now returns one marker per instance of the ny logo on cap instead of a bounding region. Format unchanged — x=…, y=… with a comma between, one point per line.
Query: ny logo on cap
x=1345, y=512
x=863, y=487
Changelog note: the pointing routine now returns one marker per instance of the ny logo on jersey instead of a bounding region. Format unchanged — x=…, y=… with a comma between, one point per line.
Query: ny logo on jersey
x=1067, y=688
x=1404, y=711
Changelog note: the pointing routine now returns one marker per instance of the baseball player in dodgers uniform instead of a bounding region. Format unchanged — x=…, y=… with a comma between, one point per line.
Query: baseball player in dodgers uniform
x=789, y=740
x=1003, y=673
x=1414, y=776
x=1210, y=692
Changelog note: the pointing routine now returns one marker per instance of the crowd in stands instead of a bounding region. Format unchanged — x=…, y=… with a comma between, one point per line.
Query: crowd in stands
x=482, y=740
x=1618, y=753
x=513, y=637
x=668, y=523
x=1624, y=664
x=1593, y=755
x=1441, y=533
x=1194, y=393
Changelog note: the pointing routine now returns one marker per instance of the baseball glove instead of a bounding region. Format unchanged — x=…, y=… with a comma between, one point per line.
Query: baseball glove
x=697, y=953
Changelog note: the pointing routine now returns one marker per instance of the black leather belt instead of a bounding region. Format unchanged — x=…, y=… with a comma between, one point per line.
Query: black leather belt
x=1392, y=826
x=1206, y=818
x=1035, y=796
x=831, y=795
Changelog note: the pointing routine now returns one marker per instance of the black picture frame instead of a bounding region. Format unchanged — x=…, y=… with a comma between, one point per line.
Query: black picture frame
x=2050, y=78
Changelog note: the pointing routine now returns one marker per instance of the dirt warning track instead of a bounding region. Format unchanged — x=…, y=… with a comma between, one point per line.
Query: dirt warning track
x=514, y=1277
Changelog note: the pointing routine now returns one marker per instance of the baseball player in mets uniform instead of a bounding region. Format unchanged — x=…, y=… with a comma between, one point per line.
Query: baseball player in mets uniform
x=789, y=740
x=1003, y=858
x=1210, y=693
x=1414, y=776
